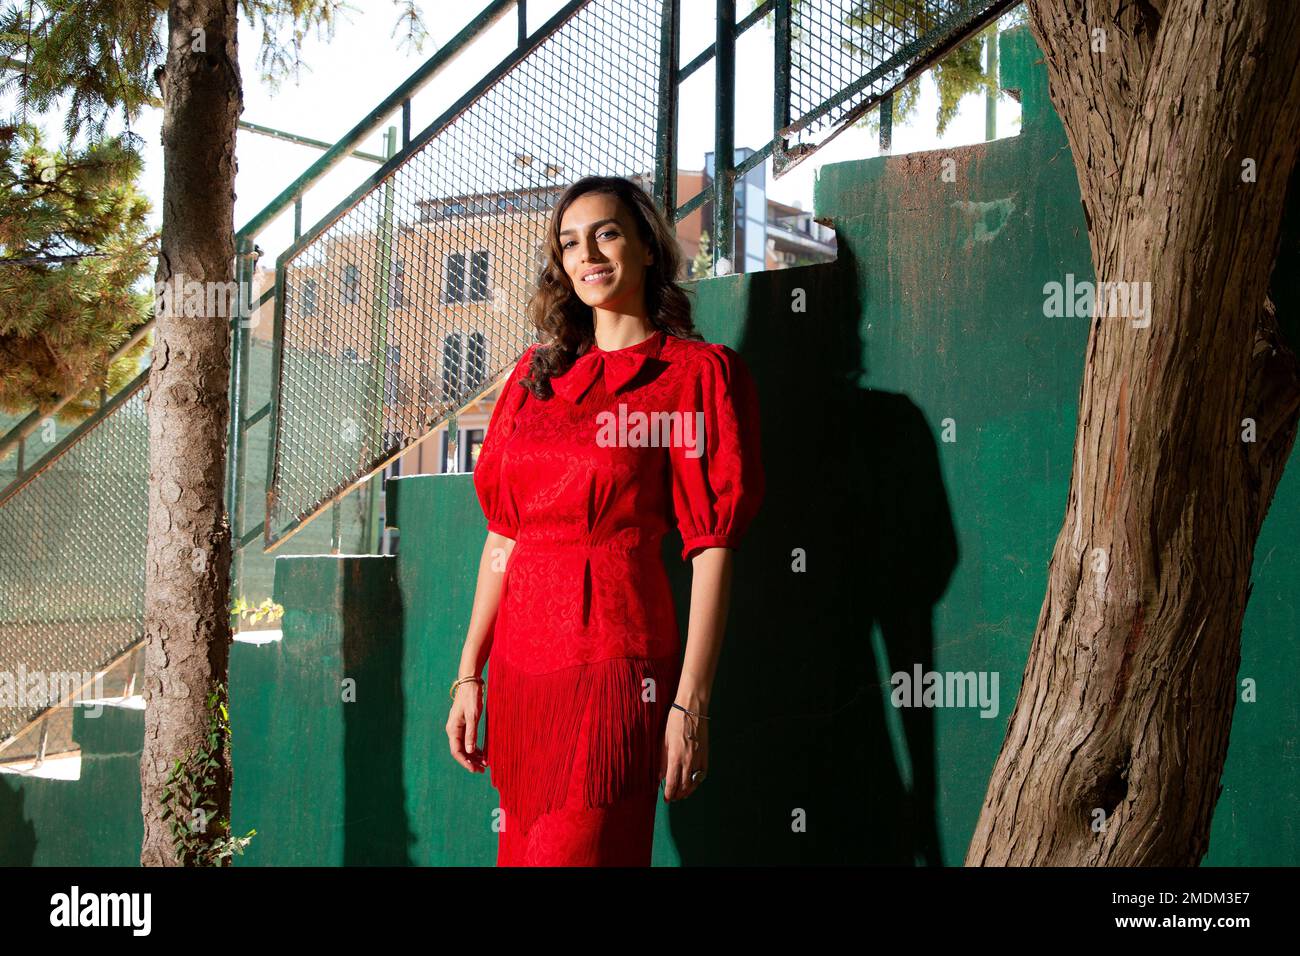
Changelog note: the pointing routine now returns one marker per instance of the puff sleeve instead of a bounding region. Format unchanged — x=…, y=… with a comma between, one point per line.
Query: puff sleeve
x=500, y=515
x=717, y=479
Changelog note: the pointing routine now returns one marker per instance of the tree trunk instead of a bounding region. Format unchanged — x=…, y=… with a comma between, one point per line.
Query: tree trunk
x=1116, y=745
x=187, y=578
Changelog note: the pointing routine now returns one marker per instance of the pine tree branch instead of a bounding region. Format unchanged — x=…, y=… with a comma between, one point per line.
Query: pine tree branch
x=41, y=260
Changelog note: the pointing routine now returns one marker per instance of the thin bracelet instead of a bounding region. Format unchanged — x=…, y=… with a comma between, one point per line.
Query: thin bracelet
x=691, y=712
x=690, y=735
x=462, y=680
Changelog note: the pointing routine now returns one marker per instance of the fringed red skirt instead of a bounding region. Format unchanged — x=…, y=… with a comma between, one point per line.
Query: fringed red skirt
x=576, y=755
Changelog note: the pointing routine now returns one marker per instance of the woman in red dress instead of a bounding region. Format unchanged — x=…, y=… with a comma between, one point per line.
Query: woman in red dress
x=621, y=423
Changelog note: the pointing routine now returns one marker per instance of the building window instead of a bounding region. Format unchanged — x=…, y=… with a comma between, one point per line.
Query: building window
x=455, y=288
x=464, y=365
x=351, y=284
x=478, y=276
x=452, y=359
x=478, y=285
x=309, y=296
x=399, y=284
x=476, y=361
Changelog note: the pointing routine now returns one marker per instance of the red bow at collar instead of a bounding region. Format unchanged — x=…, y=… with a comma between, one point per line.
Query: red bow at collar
x=620, y=367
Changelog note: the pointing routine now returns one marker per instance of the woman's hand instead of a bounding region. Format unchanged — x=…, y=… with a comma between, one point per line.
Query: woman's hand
x=462, y=727
x=686, y=750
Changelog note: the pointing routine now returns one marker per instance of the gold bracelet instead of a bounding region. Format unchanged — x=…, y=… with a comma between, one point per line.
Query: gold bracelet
x=462, y=680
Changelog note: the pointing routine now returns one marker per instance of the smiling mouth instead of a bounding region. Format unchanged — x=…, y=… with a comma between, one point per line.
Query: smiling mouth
x=596, y=277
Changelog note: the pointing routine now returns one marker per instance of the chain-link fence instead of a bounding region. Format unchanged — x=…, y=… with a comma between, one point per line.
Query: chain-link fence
x=72, y=545
x=400, y=311
x=845, y=55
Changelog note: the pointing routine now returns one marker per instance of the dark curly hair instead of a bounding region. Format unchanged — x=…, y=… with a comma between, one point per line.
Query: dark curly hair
x=566, y=322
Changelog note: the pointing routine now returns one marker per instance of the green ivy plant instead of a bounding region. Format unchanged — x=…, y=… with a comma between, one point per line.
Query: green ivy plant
x=268, y=610
x=188, y=789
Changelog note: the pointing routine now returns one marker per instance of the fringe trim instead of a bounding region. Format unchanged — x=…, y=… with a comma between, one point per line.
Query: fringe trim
x=533, y=723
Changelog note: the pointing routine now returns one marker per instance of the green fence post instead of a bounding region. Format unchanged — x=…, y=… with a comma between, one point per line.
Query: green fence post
x=666, y=135
x=991, y=103
x=886, y=123
x=724, y=152
x=237, y=444
x=379, y=347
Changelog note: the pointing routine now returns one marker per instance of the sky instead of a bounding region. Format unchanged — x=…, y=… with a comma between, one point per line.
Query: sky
x=350, y=74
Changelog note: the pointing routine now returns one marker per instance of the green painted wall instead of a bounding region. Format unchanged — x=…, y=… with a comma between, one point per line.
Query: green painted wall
x=918, y=551
x=93, y=821
x=321, y=780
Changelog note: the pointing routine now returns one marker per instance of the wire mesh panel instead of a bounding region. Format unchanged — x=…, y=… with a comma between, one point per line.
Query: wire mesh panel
x=72, y=546
x=398, y=311
x=846, y=54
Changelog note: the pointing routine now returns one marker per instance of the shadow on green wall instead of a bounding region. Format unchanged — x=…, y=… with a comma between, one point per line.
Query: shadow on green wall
x=798, y=735
x=380, y=834
x=18, y=848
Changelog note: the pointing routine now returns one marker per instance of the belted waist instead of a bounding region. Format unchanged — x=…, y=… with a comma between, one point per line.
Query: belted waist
x=537, y=541
x=626, y=547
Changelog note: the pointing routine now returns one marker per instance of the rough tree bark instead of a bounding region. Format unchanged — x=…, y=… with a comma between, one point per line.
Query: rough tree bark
x=187, y=583
x=1116, y=746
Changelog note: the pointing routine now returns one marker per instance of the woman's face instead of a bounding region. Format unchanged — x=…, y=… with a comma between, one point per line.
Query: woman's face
x=598, y=237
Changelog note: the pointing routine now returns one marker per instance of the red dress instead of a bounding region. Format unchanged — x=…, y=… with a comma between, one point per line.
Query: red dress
x=585, y=652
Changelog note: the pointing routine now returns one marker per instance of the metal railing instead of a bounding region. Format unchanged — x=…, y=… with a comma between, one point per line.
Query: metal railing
x=72, y=546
